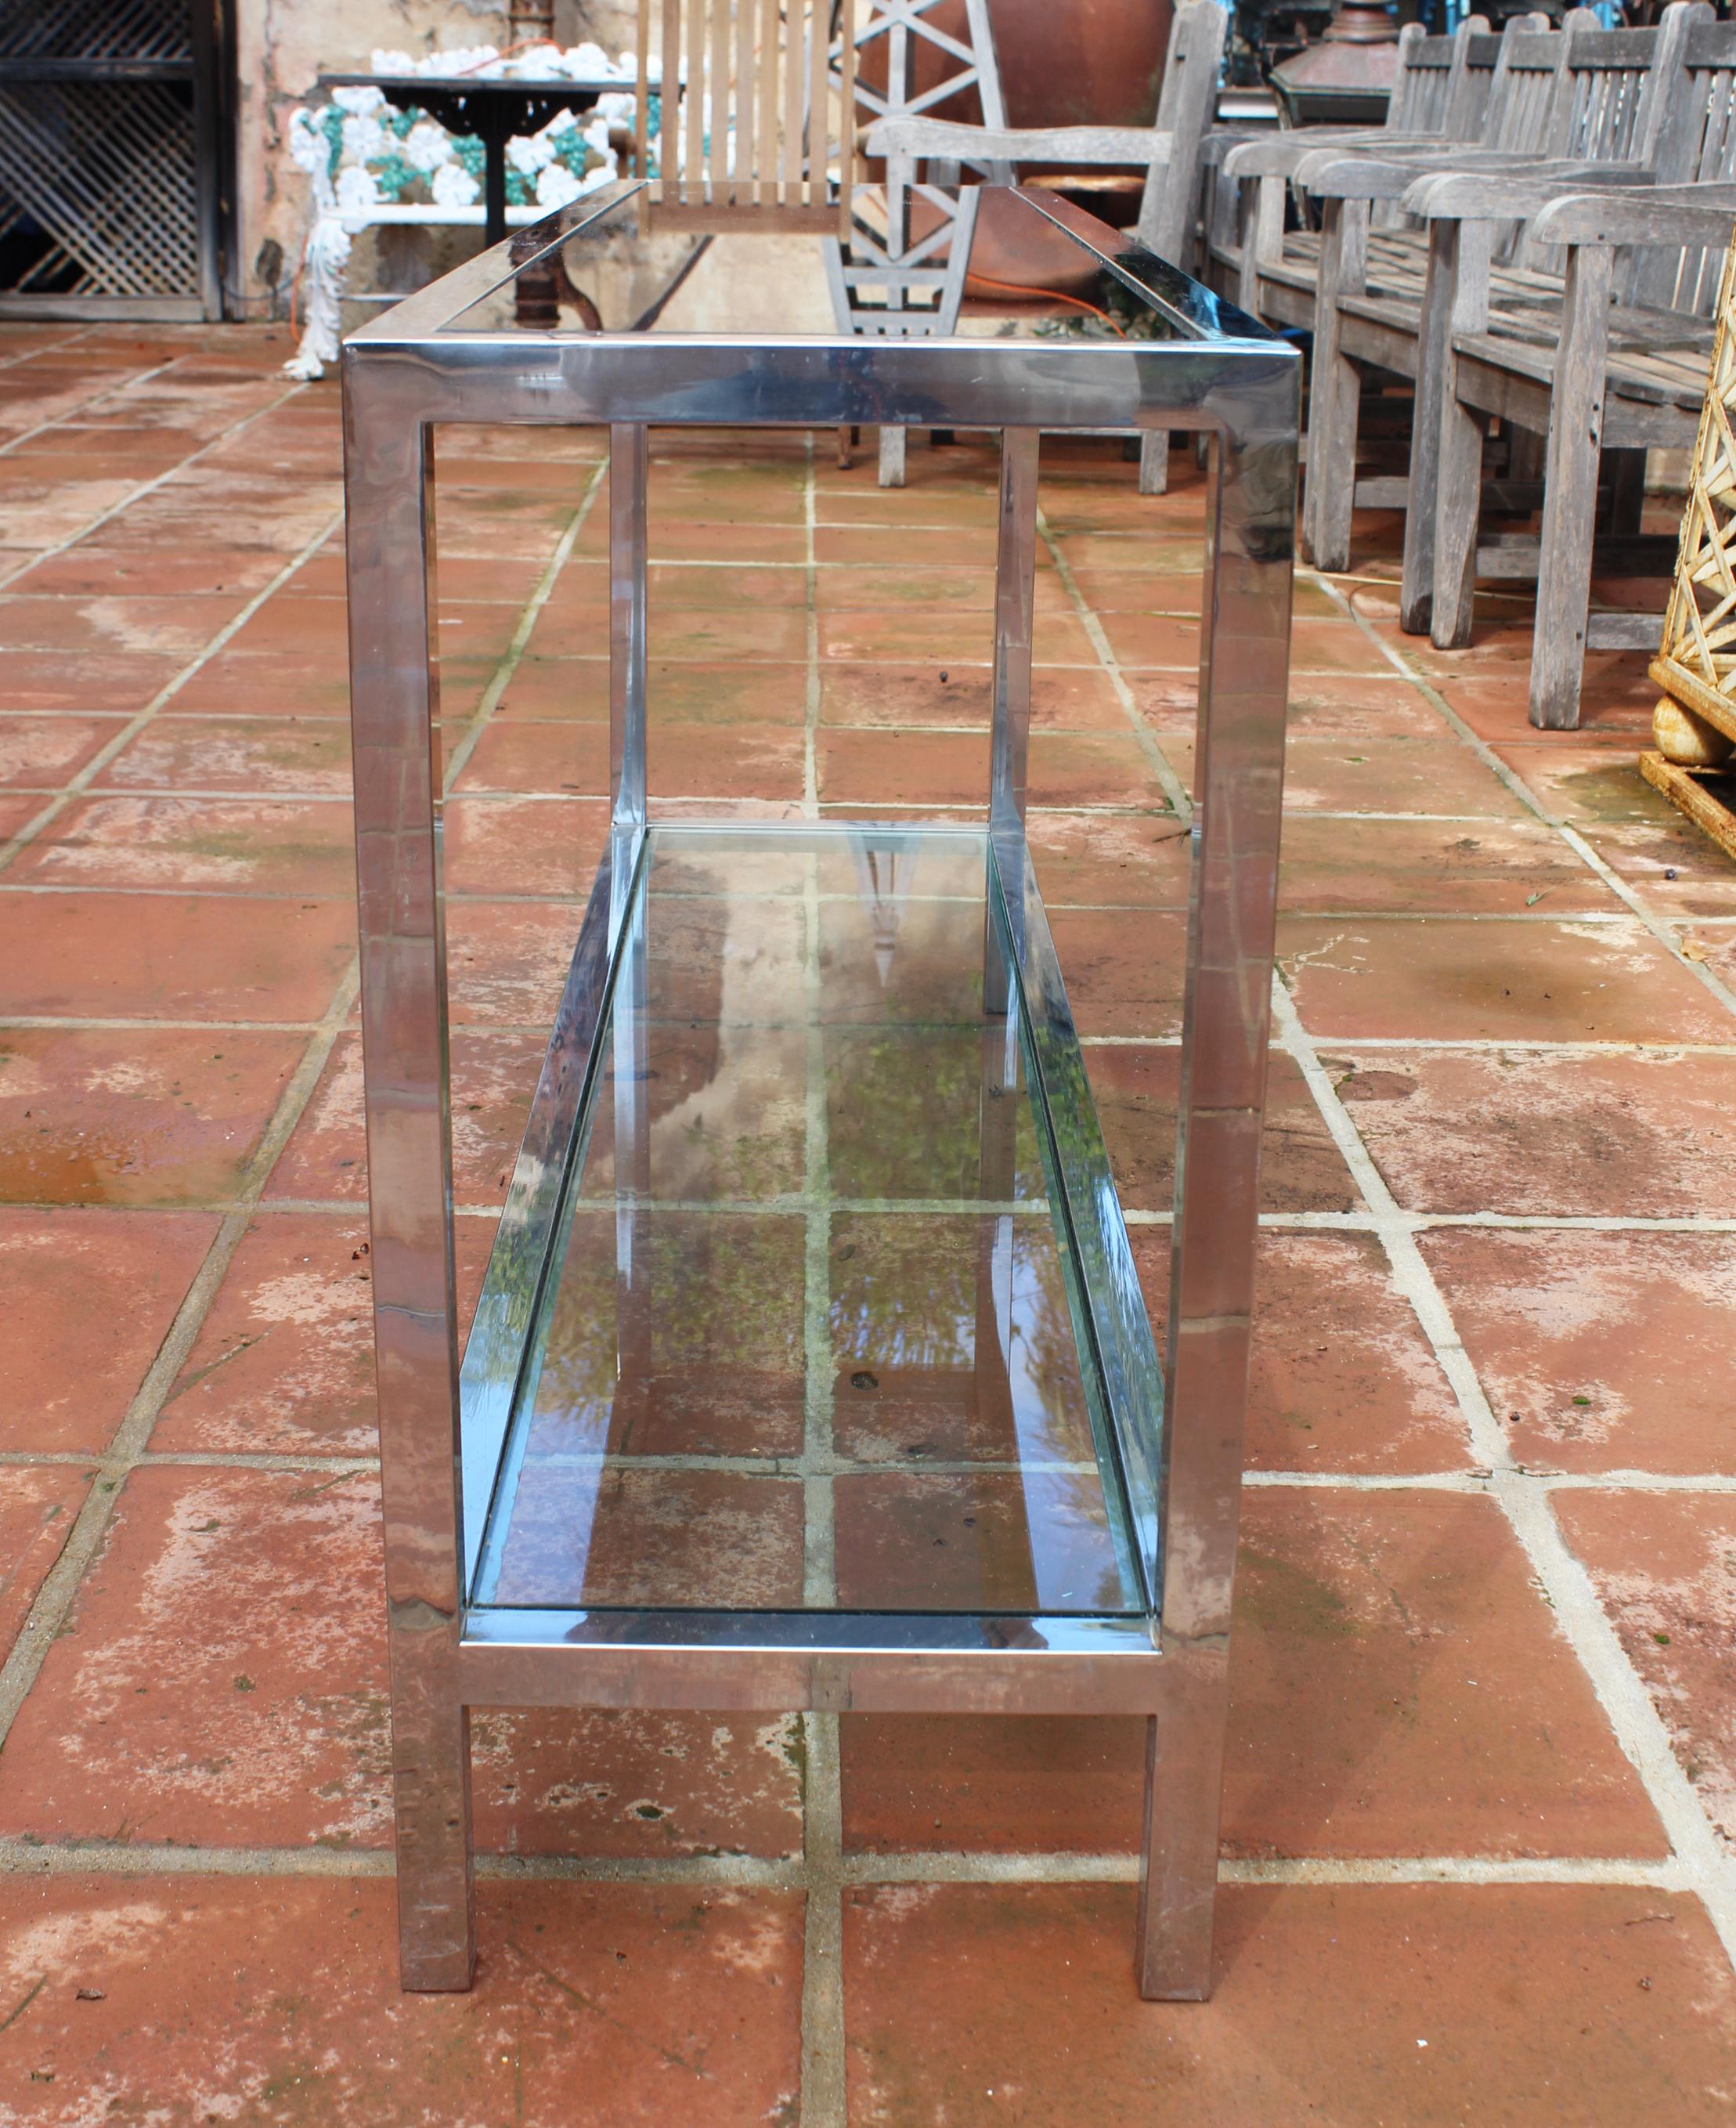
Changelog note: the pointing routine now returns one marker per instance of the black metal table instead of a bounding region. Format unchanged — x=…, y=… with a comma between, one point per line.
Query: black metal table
x=496, y=108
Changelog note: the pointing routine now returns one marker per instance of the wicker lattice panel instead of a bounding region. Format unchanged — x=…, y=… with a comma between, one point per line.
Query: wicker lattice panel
x=1697, y=662
x=96, y=190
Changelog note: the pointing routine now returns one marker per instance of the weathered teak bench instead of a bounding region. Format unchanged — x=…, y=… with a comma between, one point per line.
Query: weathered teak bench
x=1576, y=106
x=1606, y=356
x=1441, y=93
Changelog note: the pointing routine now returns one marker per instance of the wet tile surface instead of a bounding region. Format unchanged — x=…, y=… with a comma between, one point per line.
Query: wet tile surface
x=1494, y=981
x=154, y=1116
x=222, y=1678
x=1396, y=1686
x=1599, y=1351
x=1518, y=1131
x=280, y=1998
x=1665, y=1568
x=72, y=1361
x=1342, y=1377
x=975, y=2004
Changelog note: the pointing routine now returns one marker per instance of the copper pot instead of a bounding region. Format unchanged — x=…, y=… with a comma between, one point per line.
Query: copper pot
x=1062, y=63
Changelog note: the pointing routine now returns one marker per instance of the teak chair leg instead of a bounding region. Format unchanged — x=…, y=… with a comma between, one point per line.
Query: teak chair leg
x=1154, y=462
x=1416, y=585
x=1458, y=489
x=1570, y=492
x=892, y=457
x=1334, y=390
x=1624, y=493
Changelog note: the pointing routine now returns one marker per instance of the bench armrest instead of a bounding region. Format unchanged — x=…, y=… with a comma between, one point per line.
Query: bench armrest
x=1475, y=196
x=1091, y=146
x=1663, y=214
x=1221, y=142
x=1269, y=156
x=1342, y=178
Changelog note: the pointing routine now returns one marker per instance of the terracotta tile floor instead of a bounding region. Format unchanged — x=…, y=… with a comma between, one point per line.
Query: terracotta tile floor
x=1482, y=1782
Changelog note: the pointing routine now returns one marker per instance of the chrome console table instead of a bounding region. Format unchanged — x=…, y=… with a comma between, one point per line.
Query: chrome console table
x=811, y=1370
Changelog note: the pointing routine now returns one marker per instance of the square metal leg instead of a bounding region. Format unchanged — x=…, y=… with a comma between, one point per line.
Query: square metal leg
x=395, y=710
x=1238, y=793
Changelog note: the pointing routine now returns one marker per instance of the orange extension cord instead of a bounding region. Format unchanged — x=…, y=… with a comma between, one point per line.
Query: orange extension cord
x=1055, y=296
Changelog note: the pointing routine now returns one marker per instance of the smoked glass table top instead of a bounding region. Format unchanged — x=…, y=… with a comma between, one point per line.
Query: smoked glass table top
x=811, y=1332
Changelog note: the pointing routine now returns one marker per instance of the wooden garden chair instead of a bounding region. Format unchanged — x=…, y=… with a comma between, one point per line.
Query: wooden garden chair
x=1605, y=355
x=1169, y=149
x=1441, y=93
x=1576, y=107
x=748, y=90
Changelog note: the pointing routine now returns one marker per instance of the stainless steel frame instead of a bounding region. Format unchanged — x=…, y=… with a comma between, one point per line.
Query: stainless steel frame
x=406, y=373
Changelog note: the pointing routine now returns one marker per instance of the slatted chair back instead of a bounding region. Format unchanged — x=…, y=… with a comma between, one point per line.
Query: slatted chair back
x=1185, y=105
x=1584, y=93
x=1525, y=87
x=751, y=115
x=1605, y=110
x=1477, y=51
x=1697, y=146
x=1429, y=70
x=1622, y=96
x=1442, y=87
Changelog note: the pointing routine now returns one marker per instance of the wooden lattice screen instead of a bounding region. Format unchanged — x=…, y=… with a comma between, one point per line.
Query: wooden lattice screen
x=1696, y=665
x=107, y=149
x=1697, y=662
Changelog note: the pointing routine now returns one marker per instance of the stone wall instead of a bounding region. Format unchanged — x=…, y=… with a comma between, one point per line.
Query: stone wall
x=282, y=45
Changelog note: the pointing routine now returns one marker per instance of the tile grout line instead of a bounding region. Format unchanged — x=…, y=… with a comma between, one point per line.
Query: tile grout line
x=1423, y=1045
x=821, y=1878
x=77, y=785
x=1516, y=786
x=1633, y=1719
x=822, y=2098
x=60, y=1586
x=1174, y=790
x=149, y=487
x=1350, y=1221
x=51, y=347
x=23, y=1856
x=354, y=1463
x=87, y=405
x=540, y=592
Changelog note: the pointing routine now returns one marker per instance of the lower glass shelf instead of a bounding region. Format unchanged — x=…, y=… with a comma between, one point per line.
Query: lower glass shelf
x=813, y=1294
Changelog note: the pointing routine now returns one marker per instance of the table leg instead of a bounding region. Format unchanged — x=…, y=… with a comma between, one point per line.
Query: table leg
x=1015, y=591
x=629, y=469
x=1238, y=785
x=494, y=183
x=395, y=710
